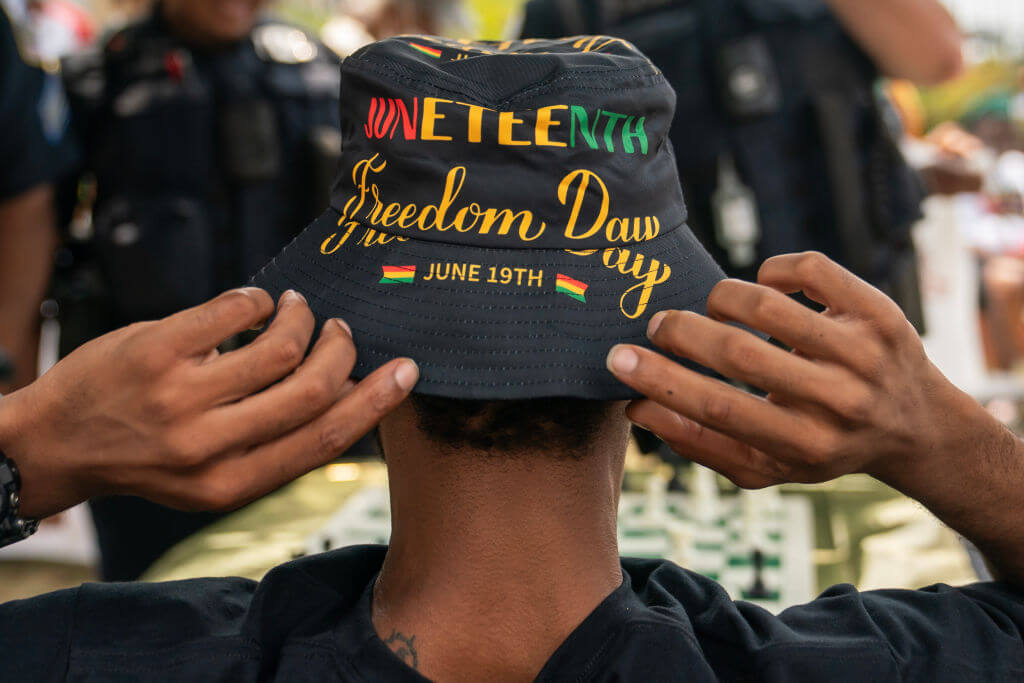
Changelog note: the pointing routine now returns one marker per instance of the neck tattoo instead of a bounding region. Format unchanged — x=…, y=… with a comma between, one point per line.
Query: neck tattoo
x=404, y=648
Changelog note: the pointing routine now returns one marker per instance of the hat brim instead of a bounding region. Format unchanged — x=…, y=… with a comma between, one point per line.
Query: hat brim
x=503, y=325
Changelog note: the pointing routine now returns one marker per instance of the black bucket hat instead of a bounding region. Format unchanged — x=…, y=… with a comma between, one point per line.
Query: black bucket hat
x=505, y=214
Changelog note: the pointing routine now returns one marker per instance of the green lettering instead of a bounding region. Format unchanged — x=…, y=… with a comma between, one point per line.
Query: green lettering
x=609, y=129
x=629, y=133
x=580, y=117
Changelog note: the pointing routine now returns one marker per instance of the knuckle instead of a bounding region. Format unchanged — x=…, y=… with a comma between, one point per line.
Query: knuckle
x=873, y=359
x=316, y=392
x=162, y=407
x=670, y=327
x=334, y=439
x=186, y=452
x=382, y=400
x=741, y=353
x=856, y=405
x=217, y=494
x=287, y=352
x=766, y=308
x=237, y=305
x=821, y=449
x=747, y=480
x=811, y=265
x=719, y=293
x=144, y=359
x=715, y=409
x=894, y=327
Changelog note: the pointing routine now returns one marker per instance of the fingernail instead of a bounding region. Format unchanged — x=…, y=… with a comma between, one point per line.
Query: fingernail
x=258, y=326
x=343, y=325
x=249, y=291
x=652, y=327
x=407, y=374
x=622, y=360
x=292, y=296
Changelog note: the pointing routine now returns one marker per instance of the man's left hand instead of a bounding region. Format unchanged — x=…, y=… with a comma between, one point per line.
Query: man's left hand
x=858, y=394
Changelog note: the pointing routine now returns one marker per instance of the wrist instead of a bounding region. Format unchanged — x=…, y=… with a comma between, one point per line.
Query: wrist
x=960, y=442
x=42, y=491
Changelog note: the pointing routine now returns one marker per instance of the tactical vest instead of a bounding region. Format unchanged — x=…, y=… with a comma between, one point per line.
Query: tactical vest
x=205, y=164
x=776, y=90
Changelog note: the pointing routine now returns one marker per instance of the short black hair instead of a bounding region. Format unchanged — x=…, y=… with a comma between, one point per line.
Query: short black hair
x=562, y=427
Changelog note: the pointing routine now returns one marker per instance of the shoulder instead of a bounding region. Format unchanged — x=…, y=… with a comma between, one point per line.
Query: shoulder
x=143, y=615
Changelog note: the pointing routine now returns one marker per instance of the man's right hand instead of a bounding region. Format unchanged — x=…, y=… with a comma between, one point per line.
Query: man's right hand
x=153, y=410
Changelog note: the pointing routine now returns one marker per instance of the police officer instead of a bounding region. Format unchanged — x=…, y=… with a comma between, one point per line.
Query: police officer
x=781, y=143
x=35, y=150
x=210, y=135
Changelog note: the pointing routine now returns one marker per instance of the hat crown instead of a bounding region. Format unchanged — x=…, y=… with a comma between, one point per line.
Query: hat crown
x=524, y=144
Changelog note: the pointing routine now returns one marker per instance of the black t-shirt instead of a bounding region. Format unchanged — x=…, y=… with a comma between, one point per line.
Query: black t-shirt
x=34, y=114
x=309, y=620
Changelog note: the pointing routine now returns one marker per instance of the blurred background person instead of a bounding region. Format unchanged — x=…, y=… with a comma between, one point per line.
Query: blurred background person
x=36, y=151
x=358, y=22
x=781, y=140
x=210, y=137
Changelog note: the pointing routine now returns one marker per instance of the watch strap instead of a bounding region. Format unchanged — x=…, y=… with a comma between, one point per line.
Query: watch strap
x=13, y=528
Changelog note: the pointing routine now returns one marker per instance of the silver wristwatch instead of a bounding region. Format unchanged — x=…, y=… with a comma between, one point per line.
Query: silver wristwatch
x=12, y=527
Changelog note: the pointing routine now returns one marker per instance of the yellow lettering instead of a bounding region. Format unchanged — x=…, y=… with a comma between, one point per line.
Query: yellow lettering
x=507, y=217
x=652, y=227
x=452, y=187
x=430, y=117
x=545, y=123
x=656, y=274
x=405, y=219
x=373, y=238
x=474, y=131
x=359, y=173
x=460, y=218
x=326, y=251
x=581, y=193
x=391, y=213
x=506, y=120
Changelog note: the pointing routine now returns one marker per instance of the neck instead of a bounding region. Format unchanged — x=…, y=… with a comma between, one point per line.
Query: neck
x=495, y=560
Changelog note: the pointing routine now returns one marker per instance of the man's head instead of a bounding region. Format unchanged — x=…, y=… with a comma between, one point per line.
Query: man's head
x=213, y=22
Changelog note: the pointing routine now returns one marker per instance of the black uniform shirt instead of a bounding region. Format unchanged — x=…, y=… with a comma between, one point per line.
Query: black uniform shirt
x=34, y=147
x=310, y=621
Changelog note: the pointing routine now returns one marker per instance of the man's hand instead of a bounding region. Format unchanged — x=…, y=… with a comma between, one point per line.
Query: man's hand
x=153, y=410
x=857, y=394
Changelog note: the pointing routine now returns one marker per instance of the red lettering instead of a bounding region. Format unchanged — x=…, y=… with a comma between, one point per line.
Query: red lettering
x=410, y=126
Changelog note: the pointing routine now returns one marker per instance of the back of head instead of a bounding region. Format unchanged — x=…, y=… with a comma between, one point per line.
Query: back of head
x=558, y=428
